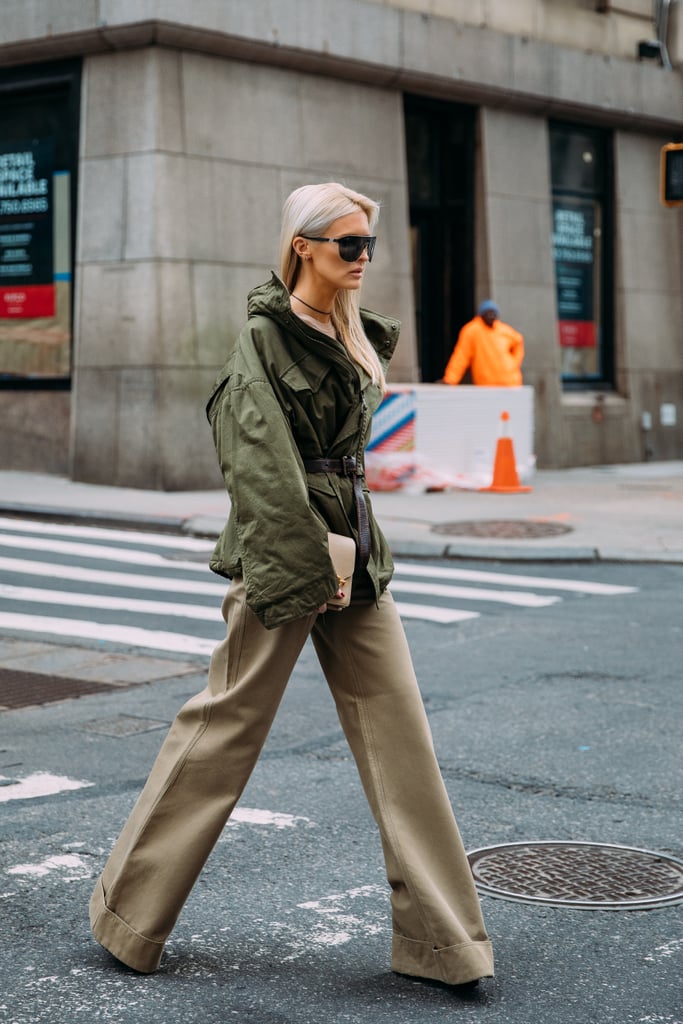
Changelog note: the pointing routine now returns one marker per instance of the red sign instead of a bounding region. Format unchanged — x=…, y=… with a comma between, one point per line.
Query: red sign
x=577, y=333
x=27, y=301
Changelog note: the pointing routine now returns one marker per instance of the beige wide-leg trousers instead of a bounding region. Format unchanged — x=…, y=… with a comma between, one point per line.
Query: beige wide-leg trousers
x=209, y=754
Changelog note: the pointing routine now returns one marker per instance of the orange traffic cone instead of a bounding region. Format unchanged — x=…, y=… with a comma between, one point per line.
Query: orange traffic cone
x=505, y=479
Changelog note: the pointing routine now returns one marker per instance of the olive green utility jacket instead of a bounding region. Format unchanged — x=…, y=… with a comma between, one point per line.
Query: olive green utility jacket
x=289, y=393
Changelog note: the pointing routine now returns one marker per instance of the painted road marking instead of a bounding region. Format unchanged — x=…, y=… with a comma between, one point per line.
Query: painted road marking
x=433, y=613
x=131, y=556
x=114, y=579
x=545, y=582
x=256, y=816
x=38, y=784
x=208, y=613
x=71, y=865
x=179, y=643
x=520, y=598
x=429, y=581
x=130, y=636
x=342, y=916
x=66, y=597
x=157, y=540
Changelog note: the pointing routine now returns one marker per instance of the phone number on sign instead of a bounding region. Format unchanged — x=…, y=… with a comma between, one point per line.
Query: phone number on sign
x=31, y=205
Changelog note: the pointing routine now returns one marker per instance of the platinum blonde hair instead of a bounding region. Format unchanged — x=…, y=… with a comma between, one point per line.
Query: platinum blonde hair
x=309, y=210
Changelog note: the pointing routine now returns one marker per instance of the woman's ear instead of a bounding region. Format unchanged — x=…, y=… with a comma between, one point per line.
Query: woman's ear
x=301, y=247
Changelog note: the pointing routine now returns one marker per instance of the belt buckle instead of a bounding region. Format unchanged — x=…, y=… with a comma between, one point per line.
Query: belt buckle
x=348, y=465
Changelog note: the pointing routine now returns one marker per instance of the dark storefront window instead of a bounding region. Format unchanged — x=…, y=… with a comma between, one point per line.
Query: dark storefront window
x=440, y=149
x=38, y=162
x=581, y=171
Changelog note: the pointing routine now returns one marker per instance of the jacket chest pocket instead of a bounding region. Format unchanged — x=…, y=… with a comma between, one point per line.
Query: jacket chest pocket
x=307, y=375
x=318, y=404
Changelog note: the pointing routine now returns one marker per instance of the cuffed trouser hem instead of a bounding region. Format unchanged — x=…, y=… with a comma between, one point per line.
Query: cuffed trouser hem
x=128, y=946
x=454, y=965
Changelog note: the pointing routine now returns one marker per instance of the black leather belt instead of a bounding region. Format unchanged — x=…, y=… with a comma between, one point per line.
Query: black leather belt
x=347, y=466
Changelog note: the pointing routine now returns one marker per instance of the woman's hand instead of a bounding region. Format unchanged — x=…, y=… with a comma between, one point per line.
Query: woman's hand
x=327, y=608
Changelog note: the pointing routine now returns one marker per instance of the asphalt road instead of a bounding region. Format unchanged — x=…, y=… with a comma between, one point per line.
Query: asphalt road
x=558, y=721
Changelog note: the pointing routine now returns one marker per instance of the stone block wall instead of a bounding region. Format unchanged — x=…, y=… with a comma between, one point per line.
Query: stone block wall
x=34, y=426
x=516, y=208
x=186, y=160
x=597, y=27
x=649, y=297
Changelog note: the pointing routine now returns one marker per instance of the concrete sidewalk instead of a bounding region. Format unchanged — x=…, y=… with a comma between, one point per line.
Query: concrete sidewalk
x=611, y=513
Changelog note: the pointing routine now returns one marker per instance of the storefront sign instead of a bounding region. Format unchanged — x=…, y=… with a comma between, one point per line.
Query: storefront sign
x=26, y=231
x=573, y=252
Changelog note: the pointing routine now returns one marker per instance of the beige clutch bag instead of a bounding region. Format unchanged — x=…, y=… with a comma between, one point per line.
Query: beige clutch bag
x=343, y=556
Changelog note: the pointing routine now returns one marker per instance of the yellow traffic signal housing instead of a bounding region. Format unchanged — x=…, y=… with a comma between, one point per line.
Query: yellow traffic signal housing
x=671, y=183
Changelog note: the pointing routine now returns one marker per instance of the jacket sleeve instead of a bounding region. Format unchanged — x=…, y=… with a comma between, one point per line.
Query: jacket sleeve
x=516, y=346
x=283, y=543
x=461, y=358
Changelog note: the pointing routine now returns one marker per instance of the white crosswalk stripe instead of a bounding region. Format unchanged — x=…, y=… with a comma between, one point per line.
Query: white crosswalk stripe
x=156, y=540
x=38, y=595
x=66, y=568
x=521, y=598
x=136, y=581
x=131, y=556
x=157, y=639
x=433, y=614
x=479, y=576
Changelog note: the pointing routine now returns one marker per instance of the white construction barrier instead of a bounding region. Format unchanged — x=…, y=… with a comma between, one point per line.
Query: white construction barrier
x=434, y=436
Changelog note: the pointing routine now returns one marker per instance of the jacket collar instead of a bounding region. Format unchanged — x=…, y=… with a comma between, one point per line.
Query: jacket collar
x=272, y=299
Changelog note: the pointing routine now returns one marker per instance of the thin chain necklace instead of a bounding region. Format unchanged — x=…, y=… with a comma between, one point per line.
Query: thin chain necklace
x=322, y=312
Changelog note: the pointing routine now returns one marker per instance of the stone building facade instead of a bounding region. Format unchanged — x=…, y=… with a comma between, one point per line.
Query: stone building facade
x=515, y=148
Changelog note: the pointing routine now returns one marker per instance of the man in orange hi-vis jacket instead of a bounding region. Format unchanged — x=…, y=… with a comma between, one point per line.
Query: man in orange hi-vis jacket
x=492, y=349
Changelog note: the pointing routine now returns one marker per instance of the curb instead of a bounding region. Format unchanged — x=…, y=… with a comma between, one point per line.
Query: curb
x=209, y=527
x=163, y=524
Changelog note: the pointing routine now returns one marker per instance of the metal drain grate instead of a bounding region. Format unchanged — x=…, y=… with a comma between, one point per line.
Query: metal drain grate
x=583, y=876
x=505, y=529
x=26, y=689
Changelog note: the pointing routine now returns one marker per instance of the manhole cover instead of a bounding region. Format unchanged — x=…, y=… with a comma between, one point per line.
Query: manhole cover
x=123, y=725
x=510, y=529
x=24, y=689
x=584, y=876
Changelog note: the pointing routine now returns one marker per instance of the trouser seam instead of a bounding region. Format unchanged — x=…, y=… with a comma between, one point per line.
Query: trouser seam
x=369, y=737
x=233, y=673
x=204, y=709
x=170, y=782
x=201, y=729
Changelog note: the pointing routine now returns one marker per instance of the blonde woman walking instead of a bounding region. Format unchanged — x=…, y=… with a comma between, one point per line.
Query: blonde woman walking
x=290, y=415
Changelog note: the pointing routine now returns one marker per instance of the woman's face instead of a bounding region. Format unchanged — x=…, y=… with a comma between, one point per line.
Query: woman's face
x=326, y=266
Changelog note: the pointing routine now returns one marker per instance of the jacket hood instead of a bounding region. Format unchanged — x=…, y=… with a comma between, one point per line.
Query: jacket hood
x=269, y=298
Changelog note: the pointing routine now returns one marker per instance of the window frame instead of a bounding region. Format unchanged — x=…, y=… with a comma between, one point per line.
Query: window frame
x=603, y=195
x=21, y=83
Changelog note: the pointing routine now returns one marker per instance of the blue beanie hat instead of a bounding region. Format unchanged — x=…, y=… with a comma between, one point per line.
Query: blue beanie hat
x=486, y=305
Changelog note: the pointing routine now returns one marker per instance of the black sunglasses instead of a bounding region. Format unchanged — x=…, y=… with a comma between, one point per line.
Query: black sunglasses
x=350, y=246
